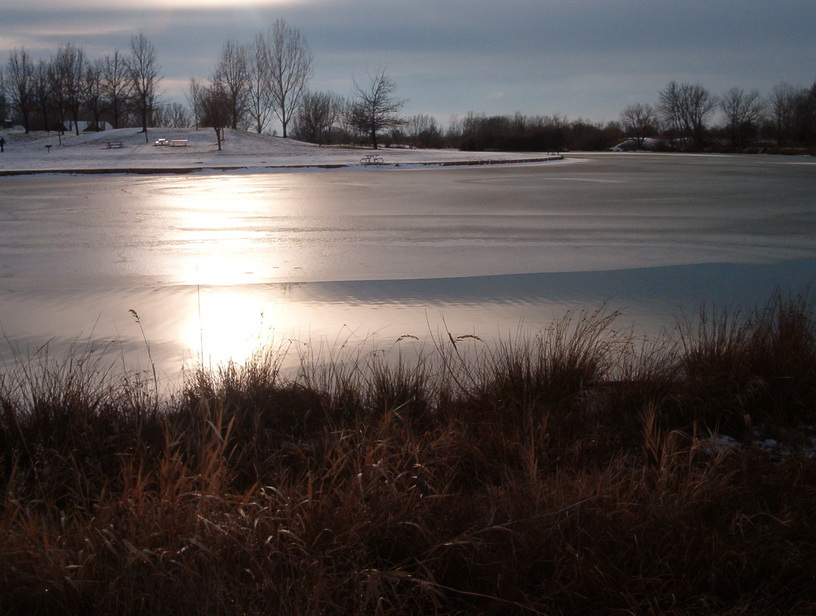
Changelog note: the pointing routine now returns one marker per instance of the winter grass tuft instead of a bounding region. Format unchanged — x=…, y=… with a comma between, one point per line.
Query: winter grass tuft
x=577, y=471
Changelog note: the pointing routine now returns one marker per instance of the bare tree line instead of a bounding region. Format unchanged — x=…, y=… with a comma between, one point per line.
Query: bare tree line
x=252, y=84
x=683, y=117
x=267, y=79
x=687, y=116
x=370, y=115
x=53, y=94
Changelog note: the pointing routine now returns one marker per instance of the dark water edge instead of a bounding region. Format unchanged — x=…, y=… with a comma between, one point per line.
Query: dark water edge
x=180, y=327
x=723, y=283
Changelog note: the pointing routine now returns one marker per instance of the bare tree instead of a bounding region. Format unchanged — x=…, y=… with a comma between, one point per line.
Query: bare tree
x=793, y=112
x=638, y=120
x=317, y=114
x=669, y=109
x=376, y=106
x=783, y=110
x=20, y=85
x=807, y=109
x=143, y=70
x=743, y=112
x=423, y=131
x=232, y=72
x=93, y=94
x=3, y=100
x=116, y=86
x=698, y=104
x=43, y=97
x=453, y=134
x=215, y=109
x=259, y=89
x=171, y=115
x=685, y=108
x=59, y=98
x=193, y=95
x=345, y=121
x=290, y=68
x=69, y=68
x=178, y=116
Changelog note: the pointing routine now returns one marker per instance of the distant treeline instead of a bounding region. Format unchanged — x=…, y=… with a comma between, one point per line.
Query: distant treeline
x=687, y=117
x=535, y=133
x=266, y=80
x=483, y=133
x=70, y=88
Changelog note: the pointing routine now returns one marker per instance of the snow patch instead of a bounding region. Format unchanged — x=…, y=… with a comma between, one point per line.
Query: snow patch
x=241, y=151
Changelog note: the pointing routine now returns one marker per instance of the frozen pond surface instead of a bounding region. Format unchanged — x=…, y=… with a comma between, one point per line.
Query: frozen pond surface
x=216, y=265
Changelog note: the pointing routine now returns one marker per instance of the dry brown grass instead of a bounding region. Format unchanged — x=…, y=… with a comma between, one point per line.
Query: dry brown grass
x=570, y=473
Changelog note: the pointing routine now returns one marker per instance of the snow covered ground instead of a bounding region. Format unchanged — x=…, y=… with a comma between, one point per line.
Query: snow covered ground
x=39, y=152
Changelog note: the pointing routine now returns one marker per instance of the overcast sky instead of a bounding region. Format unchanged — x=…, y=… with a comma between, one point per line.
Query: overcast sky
x=581, y=58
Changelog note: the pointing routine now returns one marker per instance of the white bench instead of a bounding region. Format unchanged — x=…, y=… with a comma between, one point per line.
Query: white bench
x=178, y=143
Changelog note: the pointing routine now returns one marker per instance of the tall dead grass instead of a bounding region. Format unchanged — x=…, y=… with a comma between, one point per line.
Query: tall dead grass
x=577, y=471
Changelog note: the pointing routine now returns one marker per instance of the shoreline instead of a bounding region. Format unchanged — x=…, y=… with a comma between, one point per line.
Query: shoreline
x=127, y=151
x=277, y=168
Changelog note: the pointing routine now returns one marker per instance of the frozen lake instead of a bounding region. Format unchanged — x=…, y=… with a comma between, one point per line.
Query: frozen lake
x=217, y=265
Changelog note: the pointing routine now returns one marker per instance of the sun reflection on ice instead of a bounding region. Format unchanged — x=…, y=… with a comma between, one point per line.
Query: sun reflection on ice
x=233, y=323
x=230, y=230
x=216, y=228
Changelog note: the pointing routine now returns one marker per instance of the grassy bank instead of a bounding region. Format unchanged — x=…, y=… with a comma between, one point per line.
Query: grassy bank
x=575, y=472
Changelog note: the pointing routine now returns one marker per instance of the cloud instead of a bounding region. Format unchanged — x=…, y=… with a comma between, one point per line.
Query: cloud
x=587, y=57
x=122, y=5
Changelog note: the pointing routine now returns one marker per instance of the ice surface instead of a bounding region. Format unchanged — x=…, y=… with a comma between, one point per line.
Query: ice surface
x=216, y=265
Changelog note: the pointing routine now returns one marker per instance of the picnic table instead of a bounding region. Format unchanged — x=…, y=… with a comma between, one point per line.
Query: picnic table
x=371, y=159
